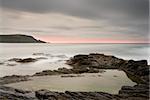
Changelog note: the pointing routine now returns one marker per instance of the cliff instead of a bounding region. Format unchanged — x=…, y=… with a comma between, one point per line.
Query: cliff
x=18, y=38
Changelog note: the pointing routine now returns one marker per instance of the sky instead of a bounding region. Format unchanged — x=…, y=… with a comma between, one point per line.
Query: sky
x=77, y=21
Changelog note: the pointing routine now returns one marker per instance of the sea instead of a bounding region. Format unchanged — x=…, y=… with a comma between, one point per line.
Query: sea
x=56, y=54
x=53, y=56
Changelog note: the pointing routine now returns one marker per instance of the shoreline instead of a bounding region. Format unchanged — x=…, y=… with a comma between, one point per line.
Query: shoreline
x=92, y=63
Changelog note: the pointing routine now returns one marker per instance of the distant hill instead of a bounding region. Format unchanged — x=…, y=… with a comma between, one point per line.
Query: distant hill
x=18, y=38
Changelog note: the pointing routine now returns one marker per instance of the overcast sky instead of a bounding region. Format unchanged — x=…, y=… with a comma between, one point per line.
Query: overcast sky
x=75, y=21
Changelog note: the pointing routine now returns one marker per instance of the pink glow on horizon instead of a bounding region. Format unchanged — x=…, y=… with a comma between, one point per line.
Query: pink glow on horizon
x=54, y=39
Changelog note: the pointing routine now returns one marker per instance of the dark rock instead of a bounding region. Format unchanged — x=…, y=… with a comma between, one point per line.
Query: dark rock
x=138, y=69
x=96, y=60
x=45, y=94
x=26, y=60
x=64, y=71
x=77, y=70
x=8, y=93
x=46, y=72
x=138, y=91
x=126, y=93
x=13, y=79
x=4, y=88
x=1, y=63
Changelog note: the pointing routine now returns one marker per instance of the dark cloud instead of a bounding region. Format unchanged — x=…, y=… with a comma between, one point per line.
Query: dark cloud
x=82, y=8
x=132, y=15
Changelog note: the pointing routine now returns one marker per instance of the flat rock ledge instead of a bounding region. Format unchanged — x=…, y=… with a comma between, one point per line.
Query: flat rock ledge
x=68, y=71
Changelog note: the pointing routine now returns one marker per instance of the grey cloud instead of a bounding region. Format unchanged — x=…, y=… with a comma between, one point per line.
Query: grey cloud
x=8, y=29
x=61, y=27
x=132, y=15
x=69, y=28
x=82, y=8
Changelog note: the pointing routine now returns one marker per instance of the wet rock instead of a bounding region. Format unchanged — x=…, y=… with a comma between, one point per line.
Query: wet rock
x=138, y=91
x=64, y=71
x=26, y=60
x=4, y=88
x=13, y=79
x=77, y=70
x=8, y=93
x=45, y=94
x=1, y=63
x=45, y=72
x=126, y=93
x=138, y=69
x=95, y=60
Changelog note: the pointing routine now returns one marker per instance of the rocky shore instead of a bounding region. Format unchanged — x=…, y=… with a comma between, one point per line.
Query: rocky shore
x=137, y=71
x=94, y=60
x=13, y=79
x=138, y=92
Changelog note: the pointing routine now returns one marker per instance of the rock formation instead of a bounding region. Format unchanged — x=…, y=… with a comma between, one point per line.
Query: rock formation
x=13, y=79
x=96, y=61
x=18, y=38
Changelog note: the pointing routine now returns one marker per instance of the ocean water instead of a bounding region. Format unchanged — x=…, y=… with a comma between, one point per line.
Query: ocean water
x=53, y=56
x=56, y=54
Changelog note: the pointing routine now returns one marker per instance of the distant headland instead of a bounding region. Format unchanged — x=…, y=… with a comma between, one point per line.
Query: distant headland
x=19, y=38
